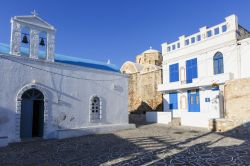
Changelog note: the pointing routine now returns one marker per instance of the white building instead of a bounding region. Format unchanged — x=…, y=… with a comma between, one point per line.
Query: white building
x=49, y=95
x=196, y=67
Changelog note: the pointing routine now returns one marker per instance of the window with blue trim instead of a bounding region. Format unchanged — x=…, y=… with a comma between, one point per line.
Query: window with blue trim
x=191, y=70
x=218, y=63
x=174, y=72
x=173, y=101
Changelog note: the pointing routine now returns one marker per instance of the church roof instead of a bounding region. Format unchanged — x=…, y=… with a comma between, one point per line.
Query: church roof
x=5, y=49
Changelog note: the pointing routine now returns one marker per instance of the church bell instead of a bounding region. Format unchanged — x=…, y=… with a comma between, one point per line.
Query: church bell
x=25, y=39
x=42, y=42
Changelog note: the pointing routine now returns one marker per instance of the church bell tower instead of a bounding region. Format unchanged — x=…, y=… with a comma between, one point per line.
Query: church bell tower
x=33, y=37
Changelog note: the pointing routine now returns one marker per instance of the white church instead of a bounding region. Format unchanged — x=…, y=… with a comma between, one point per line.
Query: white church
x=49, y=95
x=196, y=67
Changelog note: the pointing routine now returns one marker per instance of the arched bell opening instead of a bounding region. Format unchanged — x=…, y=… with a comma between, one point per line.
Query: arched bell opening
x=25, y=41
x=42, y=45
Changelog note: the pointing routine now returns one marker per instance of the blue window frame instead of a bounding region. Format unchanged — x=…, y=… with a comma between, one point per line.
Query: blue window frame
x=218, y=63
x=174, y=72
x=178, y=45
x=191, y=70
x=193, y=40
x=216, y=31
x=173, y=47
x=173, y=101
x=198, y=37
x=224, y=28
x=209, y=33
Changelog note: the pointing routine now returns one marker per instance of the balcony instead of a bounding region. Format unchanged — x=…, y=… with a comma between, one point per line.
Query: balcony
x=197, y=83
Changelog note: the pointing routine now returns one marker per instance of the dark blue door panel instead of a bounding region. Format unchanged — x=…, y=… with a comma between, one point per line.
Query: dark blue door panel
x=193, y=101
x=173, y=101
x=26, y=118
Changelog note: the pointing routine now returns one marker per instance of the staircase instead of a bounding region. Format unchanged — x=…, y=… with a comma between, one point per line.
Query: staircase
x=175, y=122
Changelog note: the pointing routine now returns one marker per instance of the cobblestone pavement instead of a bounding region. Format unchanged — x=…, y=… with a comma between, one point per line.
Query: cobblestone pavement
x=146, y=145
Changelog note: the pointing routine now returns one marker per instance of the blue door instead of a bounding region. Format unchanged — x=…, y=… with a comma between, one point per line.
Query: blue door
x=193, y=101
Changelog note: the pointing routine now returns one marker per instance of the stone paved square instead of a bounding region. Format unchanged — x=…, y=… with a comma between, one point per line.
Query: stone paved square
x=146, y=145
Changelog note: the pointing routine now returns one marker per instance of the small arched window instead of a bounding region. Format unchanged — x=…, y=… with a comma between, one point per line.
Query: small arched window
x=95, y=109
x=218, y=63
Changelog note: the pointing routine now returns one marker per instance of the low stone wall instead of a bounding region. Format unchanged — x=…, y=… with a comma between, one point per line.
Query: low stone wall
x=237, y=107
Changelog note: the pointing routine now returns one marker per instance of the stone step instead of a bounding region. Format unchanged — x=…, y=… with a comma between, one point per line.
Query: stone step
x=3, y=141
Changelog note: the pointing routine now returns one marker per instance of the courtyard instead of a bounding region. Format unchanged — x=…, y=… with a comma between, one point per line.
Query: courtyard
x=148, y=144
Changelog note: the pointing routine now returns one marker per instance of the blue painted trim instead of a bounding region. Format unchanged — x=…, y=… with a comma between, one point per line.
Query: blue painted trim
x=5, y=49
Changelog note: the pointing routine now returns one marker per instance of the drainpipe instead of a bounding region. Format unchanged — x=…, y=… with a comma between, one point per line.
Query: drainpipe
x=239, y=60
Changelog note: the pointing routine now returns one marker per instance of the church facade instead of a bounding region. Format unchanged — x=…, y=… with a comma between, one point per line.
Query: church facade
x=144, y=76
x=196, y=68
x=49, y=95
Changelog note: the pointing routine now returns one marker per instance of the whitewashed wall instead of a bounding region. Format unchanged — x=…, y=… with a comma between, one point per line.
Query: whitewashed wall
x=236, y=65
x=68, y=98
x=159, y=117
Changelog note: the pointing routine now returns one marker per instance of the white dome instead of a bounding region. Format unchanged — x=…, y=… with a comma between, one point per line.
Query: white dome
x=151, y=51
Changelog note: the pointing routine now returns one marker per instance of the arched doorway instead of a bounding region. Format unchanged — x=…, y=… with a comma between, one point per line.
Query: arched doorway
x=32, y=114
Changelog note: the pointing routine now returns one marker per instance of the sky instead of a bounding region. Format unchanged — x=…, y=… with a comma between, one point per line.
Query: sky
x=120, y=30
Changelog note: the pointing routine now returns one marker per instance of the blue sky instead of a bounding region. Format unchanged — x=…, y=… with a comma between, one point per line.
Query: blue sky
x=121, y=29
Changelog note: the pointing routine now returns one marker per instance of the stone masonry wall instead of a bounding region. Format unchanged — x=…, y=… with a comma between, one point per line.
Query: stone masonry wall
x=143, y=95
x=237, y=106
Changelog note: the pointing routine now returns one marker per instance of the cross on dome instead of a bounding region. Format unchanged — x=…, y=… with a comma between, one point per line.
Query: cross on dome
x=150, y=47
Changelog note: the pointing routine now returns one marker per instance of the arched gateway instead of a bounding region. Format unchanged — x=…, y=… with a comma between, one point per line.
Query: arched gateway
x=32, y=113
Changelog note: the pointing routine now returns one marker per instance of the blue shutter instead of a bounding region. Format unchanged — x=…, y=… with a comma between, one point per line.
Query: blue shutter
x=173, y=101
x=188, y=72
x=174, y=72
x=171, y=73
x=194, y=69
x=177, y=72
x=191, y=70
